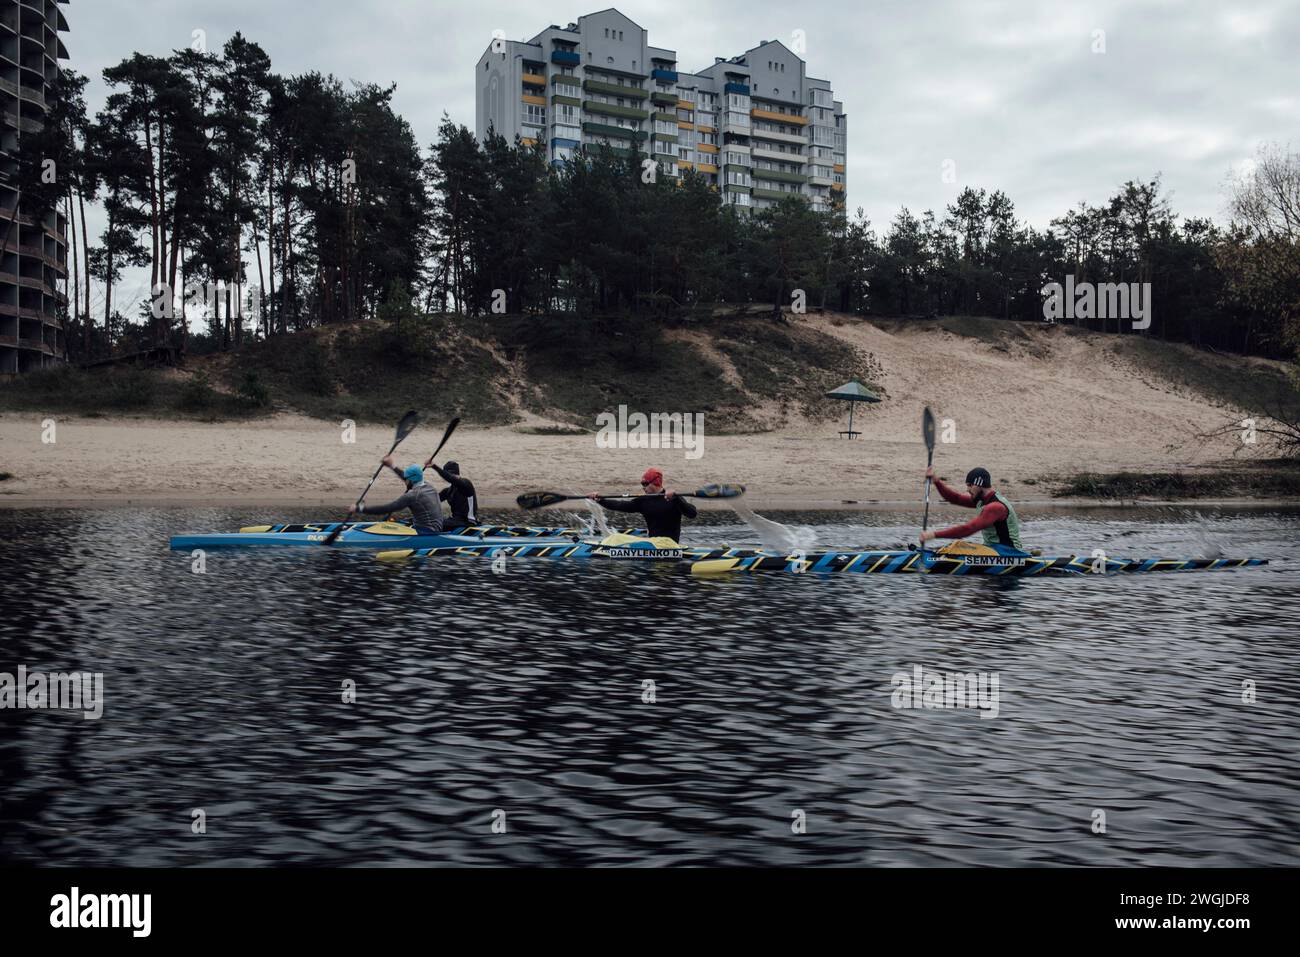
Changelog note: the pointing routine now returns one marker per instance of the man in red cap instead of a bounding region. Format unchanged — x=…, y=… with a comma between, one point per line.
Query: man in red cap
x=663, y=510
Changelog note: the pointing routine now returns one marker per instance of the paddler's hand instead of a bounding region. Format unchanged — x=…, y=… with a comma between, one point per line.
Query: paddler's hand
x=929, y=473
x=927, y=536
x=388, y=460
x=668, y=494
x=594, y=497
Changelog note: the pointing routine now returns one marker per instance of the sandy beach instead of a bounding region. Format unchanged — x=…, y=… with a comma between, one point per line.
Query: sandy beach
x=1028, y=418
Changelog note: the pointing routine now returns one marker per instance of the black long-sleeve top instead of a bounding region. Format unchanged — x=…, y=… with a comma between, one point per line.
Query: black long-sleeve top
x=663, y=516
x=459, y=496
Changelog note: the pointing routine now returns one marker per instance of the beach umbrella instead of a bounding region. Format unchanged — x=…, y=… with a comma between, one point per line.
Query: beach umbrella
x=851, y=392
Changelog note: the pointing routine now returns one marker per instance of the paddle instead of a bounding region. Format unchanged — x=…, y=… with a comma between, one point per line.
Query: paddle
x=927, y=428
x=530, y=500
x=404, y=428
x=451, y=427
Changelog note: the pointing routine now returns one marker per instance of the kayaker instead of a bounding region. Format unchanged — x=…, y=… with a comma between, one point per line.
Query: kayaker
x=459, y=495
x=663, y=510
x=420, y=497
x=995, y=517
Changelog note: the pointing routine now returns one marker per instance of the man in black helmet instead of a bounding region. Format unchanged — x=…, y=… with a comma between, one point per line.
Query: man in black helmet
x=459, y=495
x=994, y=515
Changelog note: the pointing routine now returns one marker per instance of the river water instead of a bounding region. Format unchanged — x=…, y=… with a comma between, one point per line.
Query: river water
x=593, y=714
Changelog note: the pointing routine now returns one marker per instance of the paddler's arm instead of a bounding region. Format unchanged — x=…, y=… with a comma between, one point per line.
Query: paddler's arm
x=455, y=481
x=993, y=513
x=951, y=494
x=683, y=505
x=388, y=461
x=395, y=506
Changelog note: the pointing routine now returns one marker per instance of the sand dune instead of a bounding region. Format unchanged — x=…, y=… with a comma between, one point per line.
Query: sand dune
x=1049, y=405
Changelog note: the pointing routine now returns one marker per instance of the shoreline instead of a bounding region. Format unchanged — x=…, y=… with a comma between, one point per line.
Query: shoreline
x=759, y=503
x=290, y=461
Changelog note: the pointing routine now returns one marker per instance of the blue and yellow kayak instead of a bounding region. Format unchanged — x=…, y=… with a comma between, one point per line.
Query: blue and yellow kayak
x=959, y=558
x=1002, y=561
x=371, y=535
x=617, y=546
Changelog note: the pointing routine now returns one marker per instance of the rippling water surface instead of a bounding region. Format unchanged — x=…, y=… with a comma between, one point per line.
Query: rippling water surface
x=519, y=697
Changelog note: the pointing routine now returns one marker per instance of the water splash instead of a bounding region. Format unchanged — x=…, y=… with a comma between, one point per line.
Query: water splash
x=593, y=524
x=1209, y=542
x=774, y=535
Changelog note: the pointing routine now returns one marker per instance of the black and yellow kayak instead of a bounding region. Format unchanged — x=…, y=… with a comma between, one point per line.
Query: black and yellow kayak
x=616, y=546
x=957, y=558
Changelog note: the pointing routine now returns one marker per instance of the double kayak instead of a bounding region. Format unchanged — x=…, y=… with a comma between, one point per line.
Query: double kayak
x=961, y=558
x=618, y=546
x=371, y=535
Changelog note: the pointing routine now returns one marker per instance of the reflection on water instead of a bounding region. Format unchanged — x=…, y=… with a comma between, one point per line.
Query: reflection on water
x=525, y=693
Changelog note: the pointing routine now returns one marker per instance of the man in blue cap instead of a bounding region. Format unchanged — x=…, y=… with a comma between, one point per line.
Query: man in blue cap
x=420, y=497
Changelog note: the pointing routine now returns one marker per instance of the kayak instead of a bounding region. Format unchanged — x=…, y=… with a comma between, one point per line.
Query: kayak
x=371, y=535
x=617, y=546
x=1009, y=562
x=957, y=559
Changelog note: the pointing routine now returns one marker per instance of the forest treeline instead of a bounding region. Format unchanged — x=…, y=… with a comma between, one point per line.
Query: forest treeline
x=298, y=201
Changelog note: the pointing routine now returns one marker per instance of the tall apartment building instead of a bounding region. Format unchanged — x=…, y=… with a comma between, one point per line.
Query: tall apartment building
x=34, y=256
x=755, y=125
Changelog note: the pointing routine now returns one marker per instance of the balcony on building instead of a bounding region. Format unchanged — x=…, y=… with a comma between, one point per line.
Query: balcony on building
x=614, y=89
x=611, y=109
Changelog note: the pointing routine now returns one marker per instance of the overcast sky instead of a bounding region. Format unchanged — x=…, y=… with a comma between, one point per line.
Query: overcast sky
x=1012, y=93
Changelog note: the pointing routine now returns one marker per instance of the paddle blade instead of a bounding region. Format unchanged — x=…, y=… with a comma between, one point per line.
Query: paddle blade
x=451, y=427
x=927, y=427
x=720, y=491
x=540, y=499
x=406, y=426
